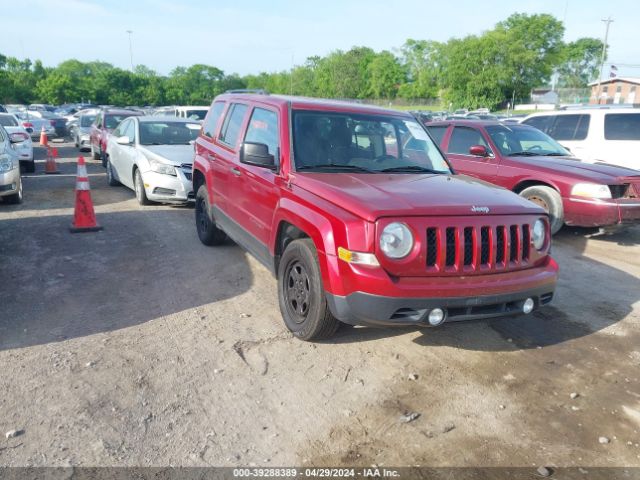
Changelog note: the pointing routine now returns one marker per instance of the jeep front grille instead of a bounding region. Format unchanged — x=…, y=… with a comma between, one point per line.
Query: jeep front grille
x=457, y=249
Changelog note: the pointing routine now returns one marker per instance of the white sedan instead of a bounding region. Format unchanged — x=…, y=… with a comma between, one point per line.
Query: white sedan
x=24, y=149
x=154, y=157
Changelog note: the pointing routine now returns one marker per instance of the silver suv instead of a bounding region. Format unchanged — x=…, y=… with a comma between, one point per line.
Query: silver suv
x=10, y=181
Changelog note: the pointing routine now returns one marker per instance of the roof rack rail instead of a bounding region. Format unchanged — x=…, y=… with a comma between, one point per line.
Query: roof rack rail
x=257, y=91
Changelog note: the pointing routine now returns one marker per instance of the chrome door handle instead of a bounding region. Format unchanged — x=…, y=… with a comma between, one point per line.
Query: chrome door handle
x=236, y=171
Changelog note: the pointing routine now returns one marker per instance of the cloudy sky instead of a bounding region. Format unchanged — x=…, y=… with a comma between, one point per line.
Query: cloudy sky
x=253, y=36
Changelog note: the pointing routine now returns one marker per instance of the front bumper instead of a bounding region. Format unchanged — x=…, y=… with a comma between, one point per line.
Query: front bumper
x=584, y=212
x=464, y=298
x=9, y=182
x=167, y=188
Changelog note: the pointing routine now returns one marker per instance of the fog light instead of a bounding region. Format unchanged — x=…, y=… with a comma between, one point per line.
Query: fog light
x=436, y=317
x=527, y=306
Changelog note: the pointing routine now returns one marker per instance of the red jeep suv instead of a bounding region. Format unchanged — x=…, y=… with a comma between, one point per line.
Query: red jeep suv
x=357, y=213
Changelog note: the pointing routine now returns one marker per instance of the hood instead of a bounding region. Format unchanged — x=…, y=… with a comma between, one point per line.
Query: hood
x=174, y=154
x=594, y=172
x=372, y=196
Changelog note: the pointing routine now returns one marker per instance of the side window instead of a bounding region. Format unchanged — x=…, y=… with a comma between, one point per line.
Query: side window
x=463, y=138
x=263, y=128
x=437, y=133
x=542, y=122
x=119, y=132
x=130, y=130
x=232, y=124
x=211, y=122
x=98, y=120
x=570, y=127
x=622, y=126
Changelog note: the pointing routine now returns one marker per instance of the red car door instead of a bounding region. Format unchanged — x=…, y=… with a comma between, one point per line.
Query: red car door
x=259, y=193
x=458, y=145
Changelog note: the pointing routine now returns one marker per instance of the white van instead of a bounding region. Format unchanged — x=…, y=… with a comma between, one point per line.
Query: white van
x=196, y=113
x=610, y=135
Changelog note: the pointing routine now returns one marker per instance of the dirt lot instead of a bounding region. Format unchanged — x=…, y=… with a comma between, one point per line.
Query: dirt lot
x=137, y=345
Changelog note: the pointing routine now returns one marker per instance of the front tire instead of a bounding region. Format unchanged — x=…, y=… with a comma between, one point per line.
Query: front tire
x=550, y=200
x=208, y=233
x=15, y=198
x=301, y=294
x=141, y=194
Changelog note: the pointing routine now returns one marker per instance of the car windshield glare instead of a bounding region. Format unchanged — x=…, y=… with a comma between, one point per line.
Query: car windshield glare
x=515, y=140
x=355, y=143
x=168, y=133
x=87, y=120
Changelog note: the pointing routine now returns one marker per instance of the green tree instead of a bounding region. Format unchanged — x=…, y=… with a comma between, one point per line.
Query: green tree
x=424, y=62
x=580, y=62
x=385, y=75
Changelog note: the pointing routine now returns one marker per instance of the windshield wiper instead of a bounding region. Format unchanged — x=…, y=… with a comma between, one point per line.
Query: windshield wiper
x=556, y=154
x=333, y=166
x=524, y=154
x=152, y=143
x=410, y=168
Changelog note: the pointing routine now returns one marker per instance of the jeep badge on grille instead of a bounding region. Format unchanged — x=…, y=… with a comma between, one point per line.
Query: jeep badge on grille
x=475, y=209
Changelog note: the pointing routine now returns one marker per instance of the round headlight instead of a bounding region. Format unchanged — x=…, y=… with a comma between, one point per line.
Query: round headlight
x=539, y=231
x=396, y=240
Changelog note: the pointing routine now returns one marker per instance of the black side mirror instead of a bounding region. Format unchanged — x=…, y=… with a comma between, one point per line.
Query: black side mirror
x=253, y=153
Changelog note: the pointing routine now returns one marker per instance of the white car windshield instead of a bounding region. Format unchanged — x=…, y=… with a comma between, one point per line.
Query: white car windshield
x=168, y=133
x=357, y=143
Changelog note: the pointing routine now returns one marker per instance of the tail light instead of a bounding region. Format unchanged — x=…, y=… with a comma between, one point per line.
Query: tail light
x=53, y=124
x=27, y=124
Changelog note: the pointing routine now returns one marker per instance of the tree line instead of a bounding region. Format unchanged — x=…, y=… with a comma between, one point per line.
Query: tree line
x=486, y=70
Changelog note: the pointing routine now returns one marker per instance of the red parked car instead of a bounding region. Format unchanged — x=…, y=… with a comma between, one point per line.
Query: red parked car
x=356, y=212
x=528, y=162
x=106, y=121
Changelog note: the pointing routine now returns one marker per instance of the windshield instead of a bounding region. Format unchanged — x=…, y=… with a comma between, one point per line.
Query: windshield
x=196, y=114
x=8, y=121
x=349, y=142
x=514, y=140
x=168, y=133
x=87, y=120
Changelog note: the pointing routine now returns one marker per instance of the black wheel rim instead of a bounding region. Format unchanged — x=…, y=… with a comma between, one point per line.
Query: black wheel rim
x=201, y=217
x=297, y=291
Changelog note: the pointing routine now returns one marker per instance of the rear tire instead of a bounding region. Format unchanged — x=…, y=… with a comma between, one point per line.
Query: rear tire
x=111, y=179
x=550, y=200
x=301, y=294
x=141, y=194
x=208, y=233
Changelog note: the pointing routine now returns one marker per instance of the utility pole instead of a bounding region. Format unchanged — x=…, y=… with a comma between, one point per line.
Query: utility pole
x=130, y=49
x=608, y=21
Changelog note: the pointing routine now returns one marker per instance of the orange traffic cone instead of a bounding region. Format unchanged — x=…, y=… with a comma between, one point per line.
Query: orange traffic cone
x=43, y=138
x=84, y=218
x=50, y=165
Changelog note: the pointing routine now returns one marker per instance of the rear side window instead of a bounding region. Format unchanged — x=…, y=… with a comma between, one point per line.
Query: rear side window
x=8, y=121
x=541, y=123
x=211, y=122
x=463, y=138
x=622, y=126
x=232, y=124
x=570, y=127
x=437, y=133
x=263, y=128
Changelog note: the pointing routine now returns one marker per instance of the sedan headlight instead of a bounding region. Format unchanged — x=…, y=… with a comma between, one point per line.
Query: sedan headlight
x=160, y=167
x=6, y=164
x=591, y=190
x=396, y=240
x=539, y=234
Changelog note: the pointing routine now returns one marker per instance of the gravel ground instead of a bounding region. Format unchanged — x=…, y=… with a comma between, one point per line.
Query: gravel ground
x=139, y=346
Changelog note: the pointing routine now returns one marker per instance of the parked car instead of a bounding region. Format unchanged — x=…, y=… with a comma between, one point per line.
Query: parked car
x=25, y=148
x=358, y=214
x=34, y=124
x=153, y=156
x=10, y=181
x=59, y=123
x=80, y=130
x=526, y=161
x=609, y=135
x=2, y=109
x=106, y=120
x=188, y=112
x=41, y=107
